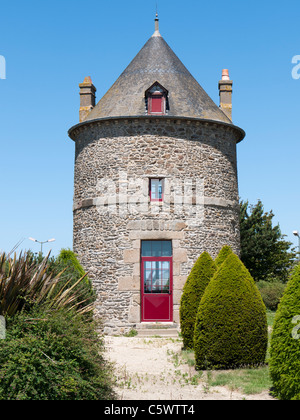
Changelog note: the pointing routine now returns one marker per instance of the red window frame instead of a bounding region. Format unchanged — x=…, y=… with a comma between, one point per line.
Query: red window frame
x=150, y=105
x=157, y=104
x=160, y=182
x=161, y=288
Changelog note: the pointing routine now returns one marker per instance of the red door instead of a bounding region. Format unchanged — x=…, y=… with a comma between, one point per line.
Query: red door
x=156, y=284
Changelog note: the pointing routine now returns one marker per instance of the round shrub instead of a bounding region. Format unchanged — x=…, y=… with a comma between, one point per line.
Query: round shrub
x=50, y=355
x=68, y=264
x=231, y=323
x=223, y=254
x=285, y=342
x=271, y=292
x=193, y=290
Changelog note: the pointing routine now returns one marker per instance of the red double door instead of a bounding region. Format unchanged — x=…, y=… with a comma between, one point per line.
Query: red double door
x=156, y=281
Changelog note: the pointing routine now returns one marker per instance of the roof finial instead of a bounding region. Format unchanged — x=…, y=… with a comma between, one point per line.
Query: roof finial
x=156, y=33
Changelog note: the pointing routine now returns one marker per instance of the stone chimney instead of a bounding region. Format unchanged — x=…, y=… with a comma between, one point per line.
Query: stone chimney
x=225, y=92
x=87, y=98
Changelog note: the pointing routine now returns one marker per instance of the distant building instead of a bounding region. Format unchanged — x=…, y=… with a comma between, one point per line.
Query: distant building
x=155, y=185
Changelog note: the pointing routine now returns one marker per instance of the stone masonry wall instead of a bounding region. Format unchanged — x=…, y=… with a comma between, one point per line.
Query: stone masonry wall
x=113, y=214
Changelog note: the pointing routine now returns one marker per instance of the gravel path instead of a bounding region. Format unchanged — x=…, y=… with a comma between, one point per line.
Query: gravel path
x=154, y=369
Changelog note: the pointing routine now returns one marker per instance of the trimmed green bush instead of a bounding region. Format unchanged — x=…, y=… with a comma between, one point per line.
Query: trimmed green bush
x=271, y=292
x=193, y=290
x=53, y=355
x=285, y=342
x=231, y=323
x=69, y=257
x=223, y=254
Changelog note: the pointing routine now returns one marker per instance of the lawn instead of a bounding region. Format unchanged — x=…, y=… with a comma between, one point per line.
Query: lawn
x=248, y=381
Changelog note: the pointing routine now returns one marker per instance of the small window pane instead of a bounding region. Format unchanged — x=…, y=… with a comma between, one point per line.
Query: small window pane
x=165, y=265
x=147, y=281
x=156, y=249
x=155, y=281
x=156, y=189
x=165, y=286
x=166, y=248
x=160, y=190
x=148, y=275
x=146, y=248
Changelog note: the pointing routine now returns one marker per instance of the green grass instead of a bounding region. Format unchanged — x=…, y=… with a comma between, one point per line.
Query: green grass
x=270, y=318
x=131, y=333
x=248, y=381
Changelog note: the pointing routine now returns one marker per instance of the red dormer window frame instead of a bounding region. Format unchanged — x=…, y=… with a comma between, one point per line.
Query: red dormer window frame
x=156, y=99
x=156, y=104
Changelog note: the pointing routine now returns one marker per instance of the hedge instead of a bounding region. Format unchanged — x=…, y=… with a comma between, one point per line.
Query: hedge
x=285, y=342
x=53, y=355
x=231, y=323
x=193, y=290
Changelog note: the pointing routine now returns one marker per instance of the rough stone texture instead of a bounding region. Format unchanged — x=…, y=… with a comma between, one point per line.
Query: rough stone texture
x=109, y=227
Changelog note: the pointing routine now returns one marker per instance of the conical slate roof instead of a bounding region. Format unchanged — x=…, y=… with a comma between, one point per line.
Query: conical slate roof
x=156, y=62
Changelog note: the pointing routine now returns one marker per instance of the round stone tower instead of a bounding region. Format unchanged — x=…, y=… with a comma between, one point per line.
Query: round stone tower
x=155, y=185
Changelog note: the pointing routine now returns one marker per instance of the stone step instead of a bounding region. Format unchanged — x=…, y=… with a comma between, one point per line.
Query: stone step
x=156, y=325
x=158, y=332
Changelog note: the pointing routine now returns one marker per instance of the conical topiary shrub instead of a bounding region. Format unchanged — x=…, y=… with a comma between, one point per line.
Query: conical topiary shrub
x=231, y=323
x=223, y=254
x=285, y=342
x=193, y=290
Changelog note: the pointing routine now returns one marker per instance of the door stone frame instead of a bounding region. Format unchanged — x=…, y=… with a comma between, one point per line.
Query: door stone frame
x=132, y=257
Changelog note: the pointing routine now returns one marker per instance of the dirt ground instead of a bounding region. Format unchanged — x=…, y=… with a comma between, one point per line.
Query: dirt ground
x=154, y=369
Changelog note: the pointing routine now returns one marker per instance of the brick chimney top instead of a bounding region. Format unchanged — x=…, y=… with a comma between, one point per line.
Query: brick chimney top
x=87, y=98
x=225, y=92
x=88, y=80
x=225, y=74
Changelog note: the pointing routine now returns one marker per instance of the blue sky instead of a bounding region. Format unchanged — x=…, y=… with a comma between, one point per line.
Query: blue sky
x=50, y=46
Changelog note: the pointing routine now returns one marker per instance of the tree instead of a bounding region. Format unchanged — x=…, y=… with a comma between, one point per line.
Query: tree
x=264, y=251
x=199, y=277
x=285, y=342
x=231, y=324
x=223, y=254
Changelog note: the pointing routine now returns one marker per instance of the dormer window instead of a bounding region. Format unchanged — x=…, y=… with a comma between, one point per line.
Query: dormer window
x=156, y=98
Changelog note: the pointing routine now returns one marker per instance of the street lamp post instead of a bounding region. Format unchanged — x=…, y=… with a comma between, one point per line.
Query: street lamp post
x=42, y=242
x=296, y=233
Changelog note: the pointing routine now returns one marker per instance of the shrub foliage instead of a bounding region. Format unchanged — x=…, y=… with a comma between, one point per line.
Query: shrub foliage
x=26, y=281
x=52, y=355
x=271, y=292
x=52, y=350
x=231, y=324
x=285, y=342
x=193, y=290
x=223, y=254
